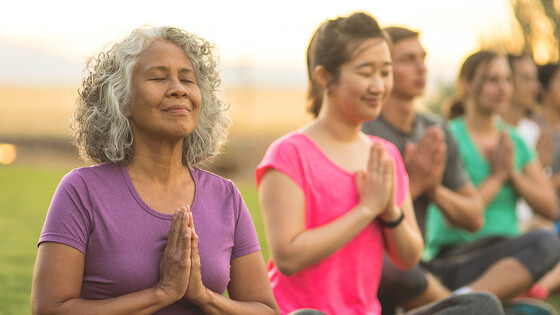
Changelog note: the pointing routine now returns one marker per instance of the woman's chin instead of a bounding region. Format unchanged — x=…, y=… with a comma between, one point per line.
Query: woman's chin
x=372, y=115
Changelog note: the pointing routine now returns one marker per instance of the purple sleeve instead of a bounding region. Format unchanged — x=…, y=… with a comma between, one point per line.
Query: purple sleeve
x=68, y=220
x=245, y=236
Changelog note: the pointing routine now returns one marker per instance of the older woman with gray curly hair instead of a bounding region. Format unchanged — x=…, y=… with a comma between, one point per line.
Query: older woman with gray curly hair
x=119, y=236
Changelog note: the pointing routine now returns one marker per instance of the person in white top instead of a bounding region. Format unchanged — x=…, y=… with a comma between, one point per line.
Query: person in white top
x=526, y=88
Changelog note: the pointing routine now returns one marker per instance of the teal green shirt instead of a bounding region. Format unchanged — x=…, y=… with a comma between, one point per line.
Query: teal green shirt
x=500, y=216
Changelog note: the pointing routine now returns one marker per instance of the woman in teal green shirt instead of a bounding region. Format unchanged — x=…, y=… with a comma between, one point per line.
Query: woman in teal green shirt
x=503, y=169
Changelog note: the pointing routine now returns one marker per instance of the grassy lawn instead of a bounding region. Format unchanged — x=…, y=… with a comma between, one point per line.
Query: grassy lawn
x=25, y=194
x=249, y=193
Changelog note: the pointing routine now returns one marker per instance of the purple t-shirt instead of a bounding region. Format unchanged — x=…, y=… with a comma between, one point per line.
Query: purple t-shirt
x=98, y=211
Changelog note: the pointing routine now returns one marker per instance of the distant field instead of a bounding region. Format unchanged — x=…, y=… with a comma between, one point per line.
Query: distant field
x=37, y=121
x=45, y=112
x=35, y=112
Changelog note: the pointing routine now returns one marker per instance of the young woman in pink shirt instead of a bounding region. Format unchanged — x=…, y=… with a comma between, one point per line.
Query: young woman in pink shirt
x=333, y=198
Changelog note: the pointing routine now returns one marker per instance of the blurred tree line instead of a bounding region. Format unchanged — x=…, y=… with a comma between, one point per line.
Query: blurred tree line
x=534, y=32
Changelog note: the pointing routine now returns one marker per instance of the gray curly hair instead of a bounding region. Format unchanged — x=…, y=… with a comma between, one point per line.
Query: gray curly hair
x=102, y=131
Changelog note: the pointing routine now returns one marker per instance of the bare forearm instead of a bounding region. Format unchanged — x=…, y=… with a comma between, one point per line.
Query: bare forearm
x=466, y=211
x=142, y=302
x=313, y=245
x=489, y=188
x=217, y=304
x=540, y=197
x=404, y=244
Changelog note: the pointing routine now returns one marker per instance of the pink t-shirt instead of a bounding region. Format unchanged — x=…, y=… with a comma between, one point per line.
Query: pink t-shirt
x=346, y=282
x=98, y=211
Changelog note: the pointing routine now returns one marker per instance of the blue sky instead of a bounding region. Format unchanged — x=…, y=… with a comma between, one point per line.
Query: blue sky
x=259, y=41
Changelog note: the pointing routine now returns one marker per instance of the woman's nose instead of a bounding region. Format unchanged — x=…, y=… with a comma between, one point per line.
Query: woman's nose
x=376, y=84
x=177, y=89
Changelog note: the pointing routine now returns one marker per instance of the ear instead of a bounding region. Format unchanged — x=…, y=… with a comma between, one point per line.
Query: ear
x=322, y=76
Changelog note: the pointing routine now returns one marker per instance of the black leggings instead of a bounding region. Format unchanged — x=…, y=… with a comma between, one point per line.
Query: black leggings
x=459, y=265
x=398, y=286
x=478, y=303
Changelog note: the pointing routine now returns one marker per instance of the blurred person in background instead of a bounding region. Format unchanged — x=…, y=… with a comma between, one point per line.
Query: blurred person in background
x=519, y=114
x=433, y=165
x=502, y=168
x=548, y=119
x=333, y=199
x=145, y=230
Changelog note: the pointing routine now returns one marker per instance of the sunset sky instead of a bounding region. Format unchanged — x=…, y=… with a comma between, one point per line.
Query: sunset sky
x=270, y=37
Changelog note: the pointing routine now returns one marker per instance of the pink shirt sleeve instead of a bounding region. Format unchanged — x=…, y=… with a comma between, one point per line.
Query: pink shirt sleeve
x=282, y=156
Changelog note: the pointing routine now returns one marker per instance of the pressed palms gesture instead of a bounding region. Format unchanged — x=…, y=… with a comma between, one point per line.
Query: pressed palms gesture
x=501, y=157
x=376, y=185
x=175, y=265
x=196, y=289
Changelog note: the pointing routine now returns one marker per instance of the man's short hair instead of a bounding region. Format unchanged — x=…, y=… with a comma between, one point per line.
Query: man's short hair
x=398, y=33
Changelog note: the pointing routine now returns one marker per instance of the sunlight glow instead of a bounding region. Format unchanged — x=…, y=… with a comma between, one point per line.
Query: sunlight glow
x=7, y=153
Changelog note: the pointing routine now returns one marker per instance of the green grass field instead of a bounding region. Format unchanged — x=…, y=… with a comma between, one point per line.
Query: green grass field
x=25, y=194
